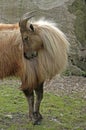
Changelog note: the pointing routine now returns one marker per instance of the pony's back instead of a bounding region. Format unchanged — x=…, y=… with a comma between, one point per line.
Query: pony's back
x=8, y=26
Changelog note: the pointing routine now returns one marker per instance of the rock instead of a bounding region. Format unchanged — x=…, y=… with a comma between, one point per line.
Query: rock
x=9, y=116
x=74, y=70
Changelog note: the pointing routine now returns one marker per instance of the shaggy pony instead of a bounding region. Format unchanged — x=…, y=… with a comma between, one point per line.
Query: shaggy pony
x=45, y=51
x=37, y=53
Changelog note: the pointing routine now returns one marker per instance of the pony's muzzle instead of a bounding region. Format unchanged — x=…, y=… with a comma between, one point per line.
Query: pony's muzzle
x=31, y=55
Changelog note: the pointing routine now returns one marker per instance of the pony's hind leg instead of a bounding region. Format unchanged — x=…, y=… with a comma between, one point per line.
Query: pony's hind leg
x=39, y=97
x=30, y=98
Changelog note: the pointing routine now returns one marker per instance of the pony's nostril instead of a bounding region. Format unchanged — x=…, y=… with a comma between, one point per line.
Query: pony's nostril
x=30, y=55
x=34, y=54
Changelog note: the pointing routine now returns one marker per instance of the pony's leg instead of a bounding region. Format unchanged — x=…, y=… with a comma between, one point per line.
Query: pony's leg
x=39, y=97
x=30, y=98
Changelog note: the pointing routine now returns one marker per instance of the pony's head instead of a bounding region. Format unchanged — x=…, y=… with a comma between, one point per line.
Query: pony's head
x=30, y=35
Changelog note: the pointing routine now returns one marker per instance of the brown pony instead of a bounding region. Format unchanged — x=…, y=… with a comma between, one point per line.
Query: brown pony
x=41, y=55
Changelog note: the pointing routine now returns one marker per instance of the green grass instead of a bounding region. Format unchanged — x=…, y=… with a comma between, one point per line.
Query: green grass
x=59, y=112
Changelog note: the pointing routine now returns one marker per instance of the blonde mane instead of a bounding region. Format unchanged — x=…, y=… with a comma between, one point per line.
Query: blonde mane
x=52, y=59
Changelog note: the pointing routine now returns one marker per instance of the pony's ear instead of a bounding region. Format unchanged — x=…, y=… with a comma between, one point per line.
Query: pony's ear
x=31, y=27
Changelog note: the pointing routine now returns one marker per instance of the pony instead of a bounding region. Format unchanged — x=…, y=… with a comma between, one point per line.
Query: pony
x=46, y=54
x=33, y=51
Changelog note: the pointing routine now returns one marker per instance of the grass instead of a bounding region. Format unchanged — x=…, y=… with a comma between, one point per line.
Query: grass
x=59, y=112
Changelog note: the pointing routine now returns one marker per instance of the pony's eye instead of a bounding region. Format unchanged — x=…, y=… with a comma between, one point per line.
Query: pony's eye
x=25, y=39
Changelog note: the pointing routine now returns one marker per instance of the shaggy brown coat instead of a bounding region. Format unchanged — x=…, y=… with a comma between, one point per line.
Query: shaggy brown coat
x=11, y=52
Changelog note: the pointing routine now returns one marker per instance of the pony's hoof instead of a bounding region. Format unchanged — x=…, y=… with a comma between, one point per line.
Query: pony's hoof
x=36, y=122
x=37, y=117
x=40, y=116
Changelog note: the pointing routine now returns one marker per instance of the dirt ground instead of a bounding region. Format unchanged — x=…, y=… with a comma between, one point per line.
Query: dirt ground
x=60, y=85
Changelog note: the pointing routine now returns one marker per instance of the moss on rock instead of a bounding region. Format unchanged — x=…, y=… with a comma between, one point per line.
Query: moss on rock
x=78, y=8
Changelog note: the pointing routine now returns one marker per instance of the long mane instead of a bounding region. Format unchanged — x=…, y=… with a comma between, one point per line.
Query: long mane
x=52, y=58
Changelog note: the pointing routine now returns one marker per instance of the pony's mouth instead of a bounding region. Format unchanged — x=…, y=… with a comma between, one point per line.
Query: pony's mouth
x=30, y=56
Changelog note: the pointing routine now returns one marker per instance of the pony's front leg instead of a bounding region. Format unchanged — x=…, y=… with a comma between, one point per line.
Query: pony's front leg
x=39, y=97
x=30, y=98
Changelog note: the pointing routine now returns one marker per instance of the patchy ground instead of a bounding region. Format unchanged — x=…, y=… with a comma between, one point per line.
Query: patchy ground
x=63, y=106
x=62, y=85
